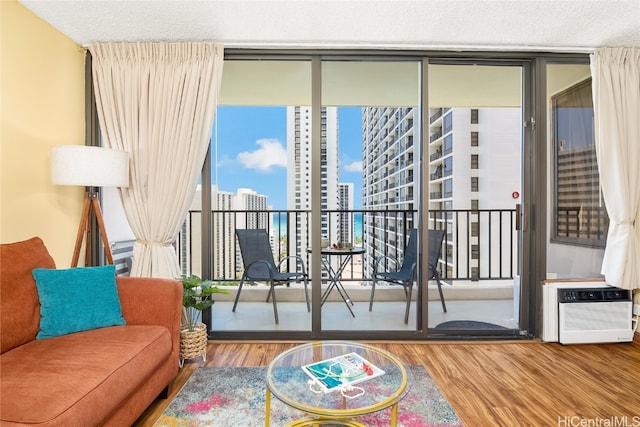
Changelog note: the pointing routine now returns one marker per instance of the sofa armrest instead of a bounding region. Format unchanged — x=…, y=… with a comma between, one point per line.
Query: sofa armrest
x=152, y=301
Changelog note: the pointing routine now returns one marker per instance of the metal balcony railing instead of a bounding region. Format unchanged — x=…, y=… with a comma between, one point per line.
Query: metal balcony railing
x=479, y=244
x=435, y=116
x=435, y=136
x=436, y=155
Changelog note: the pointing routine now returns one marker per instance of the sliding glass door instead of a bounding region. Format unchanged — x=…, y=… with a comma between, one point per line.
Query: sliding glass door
x=369, y=176
x=341, y=159
x=475, y=166
x=254, y=168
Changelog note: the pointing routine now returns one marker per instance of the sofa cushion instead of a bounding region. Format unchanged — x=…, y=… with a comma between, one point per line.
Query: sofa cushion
x=19, y=306
x=87, y=374
x=77, y=299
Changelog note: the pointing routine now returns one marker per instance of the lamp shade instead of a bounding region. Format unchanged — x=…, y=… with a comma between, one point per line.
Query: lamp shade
x=89, y=166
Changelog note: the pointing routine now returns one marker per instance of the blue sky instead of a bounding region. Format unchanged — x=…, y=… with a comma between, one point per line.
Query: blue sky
x=252, y=146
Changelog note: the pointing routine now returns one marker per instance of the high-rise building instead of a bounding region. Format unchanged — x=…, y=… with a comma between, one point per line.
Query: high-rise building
x=473, y=163
x=228, y=214
x=249, y=200
x=389, y=172
x=345, y=205
x=299, y=174
x=249, y=206
x=474, y=166
x=223, y=232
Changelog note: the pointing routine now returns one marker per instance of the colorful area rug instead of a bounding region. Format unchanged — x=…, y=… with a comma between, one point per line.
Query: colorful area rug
x=236, y=397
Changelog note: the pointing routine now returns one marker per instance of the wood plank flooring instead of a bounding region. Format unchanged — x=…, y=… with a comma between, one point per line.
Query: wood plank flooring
x=492, y=383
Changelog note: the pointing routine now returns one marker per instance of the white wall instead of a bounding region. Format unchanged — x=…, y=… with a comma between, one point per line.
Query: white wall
x=569, y=262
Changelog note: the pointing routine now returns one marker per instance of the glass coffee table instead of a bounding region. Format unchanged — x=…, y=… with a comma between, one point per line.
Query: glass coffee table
x=333, y=382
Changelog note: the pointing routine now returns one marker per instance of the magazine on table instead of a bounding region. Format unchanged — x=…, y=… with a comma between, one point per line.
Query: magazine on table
x=332, y=374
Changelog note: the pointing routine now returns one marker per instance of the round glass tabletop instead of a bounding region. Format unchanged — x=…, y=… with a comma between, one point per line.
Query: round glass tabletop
x=338, y=379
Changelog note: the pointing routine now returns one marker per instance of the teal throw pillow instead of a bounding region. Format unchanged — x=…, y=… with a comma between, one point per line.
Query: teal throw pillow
x=77, y=299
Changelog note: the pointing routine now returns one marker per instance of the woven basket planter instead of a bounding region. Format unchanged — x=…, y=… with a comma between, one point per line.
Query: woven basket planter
x=193, y=343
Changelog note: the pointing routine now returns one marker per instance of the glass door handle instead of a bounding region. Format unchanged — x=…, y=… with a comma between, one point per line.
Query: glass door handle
x=521, y=218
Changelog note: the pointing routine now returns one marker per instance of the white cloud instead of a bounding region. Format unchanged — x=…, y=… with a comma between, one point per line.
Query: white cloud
x=224, y=161
x=353, y=167
x=271, y=154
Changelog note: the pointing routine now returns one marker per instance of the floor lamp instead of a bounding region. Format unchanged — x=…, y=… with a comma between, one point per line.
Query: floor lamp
x=91, y=167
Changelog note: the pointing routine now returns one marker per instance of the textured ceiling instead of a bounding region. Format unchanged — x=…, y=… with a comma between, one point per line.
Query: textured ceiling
x=552, y=25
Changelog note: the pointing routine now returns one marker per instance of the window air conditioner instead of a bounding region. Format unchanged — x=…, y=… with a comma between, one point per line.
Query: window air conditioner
x=594, y=315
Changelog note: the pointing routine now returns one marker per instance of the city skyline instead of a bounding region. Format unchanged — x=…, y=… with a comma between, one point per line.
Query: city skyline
x=473, y=166
x=249, y=149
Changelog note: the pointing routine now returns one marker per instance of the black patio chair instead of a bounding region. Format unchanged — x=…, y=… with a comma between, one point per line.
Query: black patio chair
x=259, y=266
x=406, y=275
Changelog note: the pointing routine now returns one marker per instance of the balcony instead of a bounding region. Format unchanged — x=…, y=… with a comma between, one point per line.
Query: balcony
x=478, y=265
x=436, y=155
x=435, y=116
x=435, y=136
x=437, y=174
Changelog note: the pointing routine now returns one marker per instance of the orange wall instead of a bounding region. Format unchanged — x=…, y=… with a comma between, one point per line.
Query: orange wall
x=42, y=106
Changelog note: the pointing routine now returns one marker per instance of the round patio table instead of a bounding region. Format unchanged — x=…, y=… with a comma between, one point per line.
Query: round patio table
x=344, y=257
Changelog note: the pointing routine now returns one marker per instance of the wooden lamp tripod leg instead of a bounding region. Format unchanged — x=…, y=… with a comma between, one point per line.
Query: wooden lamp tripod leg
x=84, y=219
x=103, y=232
x=90, y=205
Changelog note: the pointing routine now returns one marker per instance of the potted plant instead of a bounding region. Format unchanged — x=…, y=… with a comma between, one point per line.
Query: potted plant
x=195, y=298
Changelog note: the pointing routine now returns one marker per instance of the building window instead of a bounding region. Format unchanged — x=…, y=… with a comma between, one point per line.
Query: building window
x=448, y=144
x=447, y=188
x=580, y=216
x=474, y=183
x=474, y=204
x=447, y=123
x=447, y=166
x=475, y=251
x=474, y=161
x=474, y=139
x=474, y=116
x=475, y=229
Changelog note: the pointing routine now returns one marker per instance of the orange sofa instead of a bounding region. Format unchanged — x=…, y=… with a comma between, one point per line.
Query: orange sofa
x=104, y=376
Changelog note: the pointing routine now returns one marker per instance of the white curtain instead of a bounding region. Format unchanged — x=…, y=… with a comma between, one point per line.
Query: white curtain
x=616, y=101
x=157, y=101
